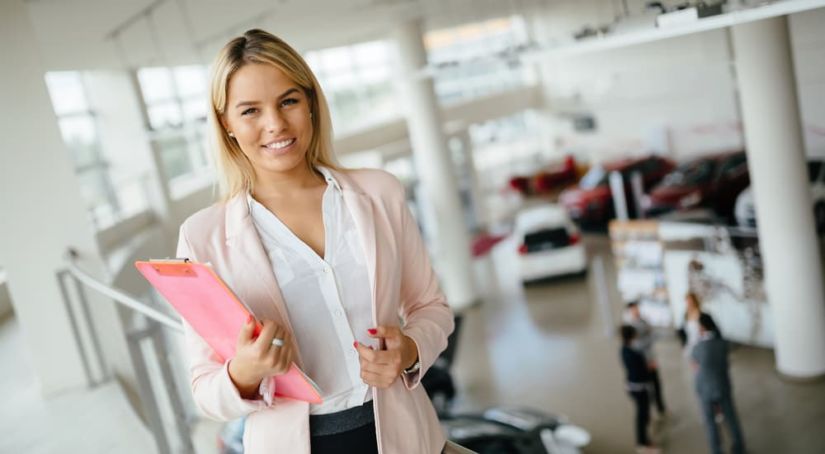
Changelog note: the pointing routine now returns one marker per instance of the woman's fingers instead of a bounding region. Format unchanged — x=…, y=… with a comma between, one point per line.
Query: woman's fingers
x=264, y=340
x=376, y=379
x=245, y=334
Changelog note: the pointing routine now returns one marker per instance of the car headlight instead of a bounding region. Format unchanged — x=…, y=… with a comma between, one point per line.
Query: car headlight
x=691, y=199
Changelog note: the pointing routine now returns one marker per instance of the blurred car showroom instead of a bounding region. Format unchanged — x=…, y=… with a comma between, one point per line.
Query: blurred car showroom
x=575, y=167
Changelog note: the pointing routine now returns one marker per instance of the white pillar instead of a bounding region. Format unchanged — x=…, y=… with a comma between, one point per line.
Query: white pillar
x=451, y=245
x=476, y=191
x=42, y=213
x=776, y=158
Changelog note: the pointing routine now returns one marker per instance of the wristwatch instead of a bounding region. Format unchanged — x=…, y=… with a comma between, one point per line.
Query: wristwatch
x=414, y=368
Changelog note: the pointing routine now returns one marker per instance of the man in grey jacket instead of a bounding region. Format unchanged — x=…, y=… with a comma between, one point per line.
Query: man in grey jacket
x=710, y=356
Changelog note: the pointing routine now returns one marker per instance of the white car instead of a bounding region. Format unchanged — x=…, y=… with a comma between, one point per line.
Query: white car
x=745, y=207
x=549, y=244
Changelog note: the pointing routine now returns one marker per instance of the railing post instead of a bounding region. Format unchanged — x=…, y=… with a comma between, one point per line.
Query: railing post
x=158, y=342
x=75, y=330
x=147, y=394
x=84, y=307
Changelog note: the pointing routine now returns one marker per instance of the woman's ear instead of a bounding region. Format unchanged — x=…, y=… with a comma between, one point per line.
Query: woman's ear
x=224, y=123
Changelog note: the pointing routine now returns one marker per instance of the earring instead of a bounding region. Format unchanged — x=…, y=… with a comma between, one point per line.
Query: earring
x=231, y=135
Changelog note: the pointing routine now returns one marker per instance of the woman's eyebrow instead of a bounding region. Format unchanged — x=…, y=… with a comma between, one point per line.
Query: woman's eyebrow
x=288, y=92
x=246, y=103
x=252, y=103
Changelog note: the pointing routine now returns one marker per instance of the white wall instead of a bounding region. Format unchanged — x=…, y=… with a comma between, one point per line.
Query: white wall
x=42, y=214
x=122, y=137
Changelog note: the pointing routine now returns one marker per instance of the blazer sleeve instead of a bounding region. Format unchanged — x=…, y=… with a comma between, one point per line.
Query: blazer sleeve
x=428, y=319
x=212, y=389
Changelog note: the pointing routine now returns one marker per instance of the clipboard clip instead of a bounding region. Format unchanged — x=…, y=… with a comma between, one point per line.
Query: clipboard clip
x=175, y=260
x=180, y=267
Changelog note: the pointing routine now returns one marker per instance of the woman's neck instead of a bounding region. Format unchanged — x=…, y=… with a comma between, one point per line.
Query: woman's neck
x=286, y=184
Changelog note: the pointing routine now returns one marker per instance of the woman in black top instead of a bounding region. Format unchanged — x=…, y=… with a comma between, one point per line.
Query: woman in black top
x=638, y=382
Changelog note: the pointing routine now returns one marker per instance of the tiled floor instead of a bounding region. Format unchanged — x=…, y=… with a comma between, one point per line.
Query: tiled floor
x=552, y=346
x=549, y=346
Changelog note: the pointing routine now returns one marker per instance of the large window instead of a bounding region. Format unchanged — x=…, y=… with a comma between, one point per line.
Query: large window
x=107, y=197
x=477, y=59
x=357, y=81
x=176, y=106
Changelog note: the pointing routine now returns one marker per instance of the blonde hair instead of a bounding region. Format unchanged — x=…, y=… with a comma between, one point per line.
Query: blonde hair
x=235, y=171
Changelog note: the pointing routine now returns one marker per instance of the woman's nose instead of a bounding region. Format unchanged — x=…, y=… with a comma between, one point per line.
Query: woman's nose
x=275, y=122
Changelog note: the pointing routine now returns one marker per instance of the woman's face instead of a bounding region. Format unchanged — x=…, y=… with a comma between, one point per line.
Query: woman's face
x=269, y=115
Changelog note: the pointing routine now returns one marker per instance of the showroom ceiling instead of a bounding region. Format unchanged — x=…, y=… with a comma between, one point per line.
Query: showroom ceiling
x=81, y=34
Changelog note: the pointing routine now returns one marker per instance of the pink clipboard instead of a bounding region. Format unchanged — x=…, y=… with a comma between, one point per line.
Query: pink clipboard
x=217, y=315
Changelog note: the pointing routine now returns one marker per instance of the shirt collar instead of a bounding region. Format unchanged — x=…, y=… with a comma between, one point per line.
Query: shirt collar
x=328, y=176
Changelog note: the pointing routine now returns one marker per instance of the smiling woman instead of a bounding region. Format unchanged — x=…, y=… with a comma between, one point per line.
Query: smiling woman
x=299, y=240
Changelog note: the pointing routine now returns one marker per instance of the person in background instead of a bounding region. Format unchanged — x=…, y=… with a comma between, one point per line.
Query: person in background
x=713, y=387
x=638, y=382
x=689, y=333
x=645, y=337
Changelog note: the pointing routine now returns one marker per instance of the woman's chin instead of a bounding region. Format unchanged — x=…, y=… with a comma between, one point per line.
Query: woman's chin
x=281, y=164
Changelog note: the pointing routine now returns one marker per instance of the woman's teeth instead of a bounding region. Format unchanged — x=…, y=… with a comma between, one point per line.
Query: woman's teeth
x=279, y=145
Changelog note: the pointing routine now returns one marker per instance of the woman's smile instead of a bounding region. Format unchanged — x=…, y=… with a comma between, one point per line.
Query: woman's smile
x=279, y=147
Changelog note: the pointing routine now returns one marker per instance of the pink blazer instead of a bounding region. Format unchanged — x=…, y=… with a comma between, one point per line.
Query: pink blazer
x=403, y=284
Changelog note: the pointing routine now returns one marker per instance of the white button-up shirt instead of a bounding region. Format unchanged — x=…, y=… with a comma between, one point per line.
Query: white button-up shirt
x=328, y=299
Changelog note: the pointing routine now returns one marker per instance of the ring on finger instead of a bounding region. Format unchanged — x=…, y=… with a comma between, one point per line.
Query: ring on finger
x=277, y=342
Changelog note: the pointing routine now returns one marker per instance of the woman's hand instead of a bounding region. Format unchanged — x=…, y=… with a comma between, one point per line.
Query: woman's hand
x=380, y=368
x=256, y=358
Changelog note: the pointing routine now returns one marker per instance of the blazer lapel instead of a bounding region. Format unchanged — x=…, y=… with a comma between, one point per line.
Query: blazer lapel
x=360, y=207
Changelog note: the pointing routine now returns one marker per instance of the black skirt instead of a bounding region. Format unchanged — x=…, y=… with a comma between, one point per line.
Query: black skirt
x=348, y=431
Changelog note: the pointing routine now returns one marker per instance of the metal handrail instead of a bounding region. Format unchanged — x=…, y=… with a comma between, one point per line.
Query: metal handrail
x=119, y=297
x=135, y=338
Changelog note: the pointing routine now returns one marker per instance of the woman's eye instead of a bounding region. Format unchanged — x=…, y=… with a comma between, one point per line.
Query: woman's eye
x=251, y=110
x=289, y=102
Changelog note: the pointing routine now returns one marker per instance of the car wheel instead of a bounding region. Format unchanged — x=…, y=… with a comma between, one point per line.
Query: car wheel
x=819, y=217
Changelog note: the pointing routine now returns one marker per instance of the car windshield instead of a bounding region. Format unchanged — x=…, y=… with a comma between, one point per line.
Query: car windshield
x=691, y=173
x=594, y=177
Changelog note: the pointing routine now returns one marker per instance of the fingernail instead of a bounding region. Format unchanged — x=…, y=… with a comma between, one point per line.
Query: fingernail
x=372, y=331
x=355, y=344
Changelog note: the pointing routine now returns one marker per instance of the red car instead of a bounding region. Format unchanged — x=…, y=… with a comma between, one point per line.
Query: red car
x=591, y=202
x=553, y=178
x=713, y=182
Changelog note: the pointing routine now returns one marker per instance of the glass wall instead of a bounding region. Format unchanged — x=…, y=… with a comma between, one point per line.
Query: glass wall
x=358, y=83
x=176, y=105
x=106, y=200
x=478, y=59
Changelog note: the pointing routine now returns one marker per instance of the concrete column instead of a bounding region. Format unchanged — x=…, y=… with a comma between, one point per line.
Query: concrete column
x=451, y=242
x=160, y=195
x=776, y=158
x=478, y=199
x=42, y=214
